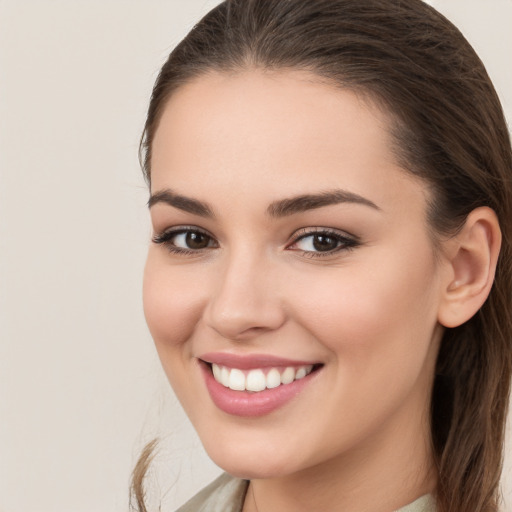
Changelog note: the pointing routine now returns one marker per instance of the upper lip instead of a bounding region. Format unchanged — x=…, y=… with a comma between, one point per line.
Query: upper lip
x=250, y=361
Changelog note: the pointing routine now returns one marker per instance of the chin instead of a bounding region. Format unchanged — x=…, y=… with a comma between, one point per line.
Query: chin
x=252, y=463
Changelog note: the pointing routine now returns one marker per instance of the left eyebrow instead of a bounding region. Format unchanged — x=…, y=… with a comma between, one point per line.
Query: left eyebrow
x=305, y=202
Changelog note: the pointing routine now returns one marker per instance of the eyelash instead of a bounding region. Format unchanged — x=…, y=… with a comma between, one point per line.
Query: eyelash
x=166, y=237
x=345, y=241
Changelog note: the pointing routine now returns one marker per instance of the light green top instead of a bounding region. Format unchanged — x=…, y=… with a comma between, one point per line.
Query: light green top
x=227, y=494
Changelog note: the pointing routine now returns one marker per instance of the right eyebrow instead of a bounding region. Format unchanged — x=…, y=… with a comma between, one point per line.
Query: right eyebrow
x=186, y=204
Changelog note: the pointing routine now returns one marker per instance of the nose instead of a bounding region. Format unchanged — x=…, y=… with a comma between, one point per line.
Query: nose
x=245, y=301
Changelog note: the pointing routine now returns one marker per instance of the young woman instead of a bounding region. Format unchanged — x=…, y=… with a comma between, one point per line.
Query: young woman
x=329, y=280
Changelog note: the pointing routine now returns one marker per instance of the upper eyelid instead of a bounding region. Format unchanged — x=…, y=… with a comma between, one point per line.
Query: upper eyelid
x=304, y=232
x=176, y=230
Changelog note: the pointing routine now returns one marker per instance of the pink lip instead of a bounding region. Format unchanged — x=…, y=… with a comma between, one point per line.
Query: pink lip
x=249, y=404
x=252, y=361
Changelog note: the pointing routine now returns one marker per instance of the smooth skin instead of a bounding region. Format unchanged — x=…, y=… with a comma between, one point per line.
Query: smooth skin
x=370, y=304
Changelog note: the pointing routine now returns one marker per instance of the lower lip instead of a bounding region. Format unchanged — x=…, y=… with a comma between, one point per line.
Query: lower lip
x=249, y=404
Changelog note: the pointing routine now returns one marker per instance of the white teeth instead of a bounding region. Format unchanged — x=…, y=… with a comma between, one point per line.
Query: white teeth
x=224, y=377
x=216, y=372
x=237, y=380
x=288, y=376
x=273, y=379
x=256, y=380
x=301, y=373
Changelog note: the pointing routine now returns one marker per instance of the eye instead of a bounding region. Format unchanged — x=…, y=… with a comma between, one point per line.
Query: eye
x=185, y=240
x=315, y=242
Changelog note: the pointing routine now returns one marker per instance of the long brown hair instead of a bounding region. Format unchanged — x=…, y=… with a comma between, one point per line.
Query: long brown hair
x=449, y=130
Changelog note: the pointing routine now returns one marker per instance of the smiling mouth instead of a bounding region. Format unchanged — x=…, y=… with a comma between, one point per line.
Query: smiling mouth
x=255, y=385
x=259, y=379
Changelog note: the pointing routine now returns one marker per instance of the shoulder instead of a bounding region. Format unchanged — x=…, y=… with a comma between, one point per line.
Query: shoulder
x=225, y=494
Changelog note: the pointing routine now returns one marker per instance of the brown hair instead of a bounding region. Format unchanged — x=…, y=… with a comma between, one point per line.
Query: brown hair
x=450, y=131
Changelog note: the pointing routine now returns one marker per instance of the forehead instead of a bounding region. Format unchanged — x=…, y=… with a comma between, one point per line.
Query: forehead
x=281, y=130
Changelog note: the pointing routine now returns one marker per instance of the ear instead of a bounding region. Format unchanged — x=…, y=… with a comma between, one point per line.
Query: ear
x=471, y=258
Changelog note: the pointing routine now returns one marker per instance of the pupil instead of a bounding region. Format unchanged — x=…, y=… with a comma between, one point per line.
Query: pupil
x=197, y=240
x=324, y=243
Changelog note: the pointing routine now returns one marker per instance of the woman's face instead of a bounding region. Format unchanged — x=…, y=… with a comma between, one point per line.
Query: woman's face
x=288, y=241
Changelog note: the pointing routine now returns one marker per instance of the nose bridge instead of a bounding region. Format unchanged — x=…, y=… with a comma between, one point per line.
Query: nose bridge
x=245, y=300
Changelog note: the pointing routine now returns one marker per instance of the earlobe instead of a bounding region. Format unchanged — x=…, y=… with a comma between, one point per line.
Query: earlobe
x=472, y=256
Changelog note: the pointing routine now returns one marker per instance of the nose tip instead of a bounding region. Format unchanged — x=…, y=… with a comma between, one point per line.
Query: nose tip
x=241, y=325
x=244, y=305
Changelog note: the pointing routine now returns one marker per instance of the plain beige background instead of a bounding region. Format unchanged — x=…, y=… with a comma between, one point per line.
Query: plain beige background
x=81, y=389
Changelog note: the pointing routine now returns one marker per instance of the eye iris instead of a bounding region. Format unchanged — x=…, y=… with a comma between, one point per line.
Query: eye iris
x=196, y=240
x=324, y=243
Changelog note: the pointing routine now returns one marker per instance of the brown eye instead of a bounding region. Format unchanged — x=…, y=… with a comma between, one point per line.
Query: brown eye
x=319, y=242
x=324, y=243
x=185, y=240
x=196, y=240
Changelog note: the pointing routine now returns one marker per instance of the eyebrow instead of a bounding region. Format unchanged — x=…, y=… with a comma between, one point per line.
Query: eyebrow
x=307, y=202
x=187, y=204
x=280, y=208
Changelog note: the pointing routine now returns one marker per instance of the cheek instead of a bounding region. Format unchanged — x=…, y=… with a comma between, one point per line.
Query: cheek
x=379, y=307
x=378, y=324
x=171, y=302
x=172, y=309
